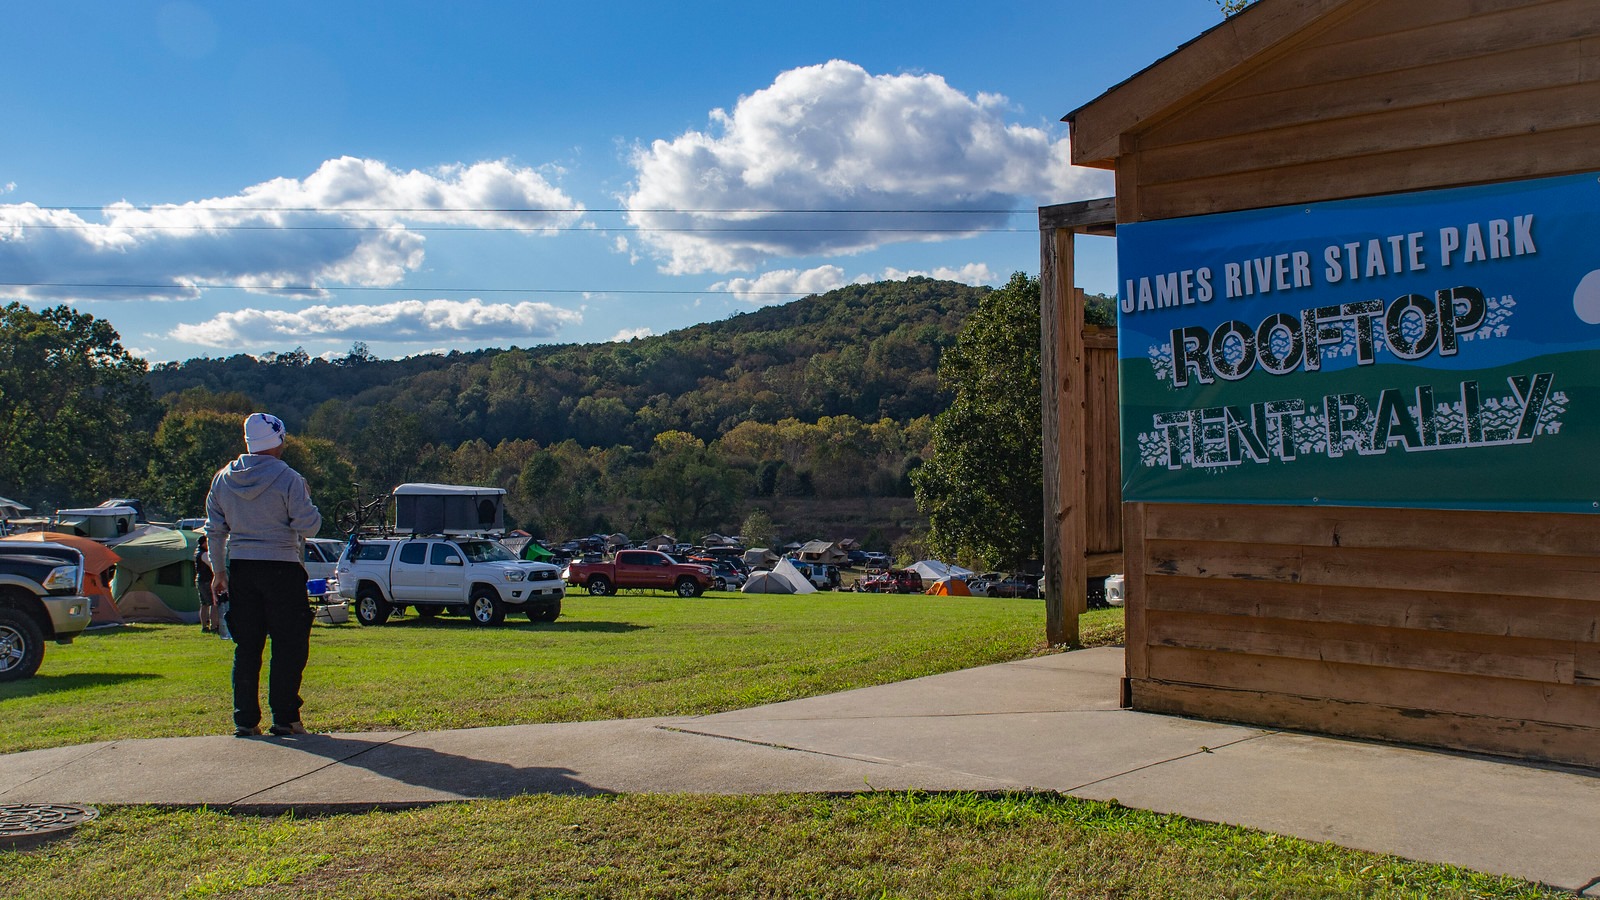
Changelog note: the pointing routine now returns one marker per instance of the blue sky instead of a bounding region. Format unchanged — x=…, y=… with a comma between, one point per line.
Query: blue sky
x=432, y=176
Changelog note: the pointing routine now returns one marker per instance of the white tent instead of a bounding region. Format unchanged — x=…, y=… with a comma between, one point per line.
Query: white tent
x=799, y=583
x=763, y=582
x=10, y=509
x=934, y=570
x=784, y=578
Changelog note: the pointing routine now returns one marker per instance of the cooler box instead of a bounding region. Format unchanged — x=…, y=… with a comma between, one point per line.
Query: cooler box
x=334, y=613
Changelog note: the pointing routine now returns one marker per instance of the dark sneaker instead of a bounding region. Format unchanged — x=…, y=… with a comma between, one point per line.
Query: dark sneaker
x=247, y=731
x=286, y=730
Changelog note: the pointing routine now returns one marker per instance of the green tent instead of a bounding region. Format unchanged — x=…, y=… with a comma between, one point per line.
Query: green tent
x=155, y=578
x=534, y=551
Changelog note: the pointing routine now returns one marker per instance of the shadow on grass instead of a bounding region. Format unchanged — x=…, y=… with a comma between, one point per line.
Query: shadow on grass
x=576, y=627
x=54, y=684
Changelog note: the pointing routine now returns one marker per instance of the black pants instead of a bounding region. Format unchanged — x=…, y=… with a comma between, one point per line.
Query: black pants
x=267, y=599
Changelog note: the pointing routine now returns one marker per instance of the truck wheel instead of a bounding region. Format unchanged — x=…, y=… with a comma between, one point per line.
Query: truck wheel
x=486, y=607
x=371, y=608
x=688, y=587
x=21, y=645
x=599, y=586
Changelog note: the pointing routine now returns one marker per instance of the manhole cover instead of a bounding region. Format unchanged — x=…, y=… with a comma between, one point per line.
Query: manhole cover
x=26, y=823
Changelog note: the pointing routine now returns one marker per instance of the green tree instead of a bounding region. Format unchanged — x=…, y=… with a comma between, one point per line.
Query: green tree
x=758, y=530
x=190, y=446
x=982, y=488
x=75, y=412
x=687, y=487
x=327, y=473
x=389, y=449
x=1233, y=7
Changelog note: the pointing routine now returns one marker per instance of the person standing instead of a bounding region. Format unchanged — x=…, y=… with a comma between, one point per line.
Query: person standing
x=202, y=583
x=258, y=515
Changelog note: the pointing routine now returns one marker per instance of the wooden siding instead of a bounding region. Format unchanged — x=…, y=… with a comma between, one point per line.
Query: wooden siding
x=1381, y=98
x=1467, y=630
x=1102, y=445
x=1470, y=630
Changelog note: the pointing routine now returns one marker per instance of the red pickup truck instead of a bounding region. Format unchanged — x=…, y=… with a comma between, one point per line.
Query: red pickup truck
x=640, y=569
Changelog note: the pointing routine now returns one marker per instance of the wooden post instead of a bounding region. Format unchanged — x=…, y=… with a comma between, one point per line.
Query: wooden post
x=1055, y=382
x=1062, y=385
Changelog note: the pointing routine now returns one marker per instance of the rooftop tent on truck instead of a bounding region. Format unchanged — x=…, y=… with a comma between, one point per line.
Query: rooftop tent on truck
x=448, y=508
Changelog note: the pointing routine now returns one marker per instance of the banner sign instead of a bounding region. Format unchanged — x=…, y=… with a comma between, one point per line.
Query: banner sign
x=1428, y=350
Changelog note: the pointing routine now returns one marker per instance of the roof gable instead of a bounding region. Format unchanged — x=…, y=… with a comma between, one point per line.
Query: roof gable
x=1225, y=52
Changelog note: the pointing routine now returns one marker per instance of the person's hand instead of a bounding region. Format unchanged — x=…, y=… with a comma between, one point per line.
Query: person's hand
x=219, y=583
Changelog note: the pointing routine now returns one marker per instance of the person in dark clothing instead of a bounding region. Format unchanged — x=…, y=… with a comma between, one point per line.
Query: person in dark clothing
x=258, y=515
x=202, y=583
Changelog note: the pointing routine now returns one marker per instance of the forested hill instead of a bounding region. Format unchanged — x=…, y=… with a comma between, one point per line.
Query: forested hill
x=869, y=351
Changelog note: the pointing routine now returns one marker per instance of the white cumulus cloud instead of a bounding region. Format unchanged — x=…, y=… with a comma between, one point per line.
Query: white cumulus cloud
x=783, y=285
x=346, y=223
x=407, y=321
x=628, y=334
x=834, y=137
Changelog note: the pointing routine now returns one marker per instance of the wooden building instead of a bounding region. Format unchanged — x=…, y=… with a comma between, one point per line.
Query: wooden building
x=1455, y=628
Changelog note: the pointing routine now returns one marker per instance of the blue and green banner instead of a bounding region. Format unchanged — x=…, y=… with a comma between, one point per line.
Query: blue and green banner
x=1428, y=350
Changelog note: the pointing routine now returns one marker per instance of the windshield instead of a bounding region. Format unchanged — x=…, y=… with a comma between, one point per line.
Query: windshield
x=486, y=551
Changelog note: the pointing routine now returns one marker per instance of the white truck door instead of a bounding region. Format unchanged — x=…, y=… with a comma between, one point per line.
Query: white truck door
x=447, y=572
x=408, y=577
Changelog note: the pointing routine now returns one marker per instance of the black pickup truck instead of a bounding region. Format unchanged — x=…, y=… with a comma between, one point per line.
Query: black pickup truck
x=41, y=598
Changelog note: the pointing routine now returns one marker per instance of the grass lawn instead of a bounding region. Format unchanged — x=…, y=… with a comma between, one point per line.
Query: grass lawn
x=860, y=845
x=636, y=655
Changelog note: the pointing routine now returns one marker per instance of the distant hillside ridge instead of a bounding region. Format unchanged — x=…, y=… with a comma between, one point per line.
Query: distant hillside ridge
x=870, y=351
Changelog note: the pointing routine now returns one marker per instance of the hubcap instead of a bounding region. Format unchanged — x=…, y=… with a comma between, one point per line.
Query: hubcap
x=11, y=649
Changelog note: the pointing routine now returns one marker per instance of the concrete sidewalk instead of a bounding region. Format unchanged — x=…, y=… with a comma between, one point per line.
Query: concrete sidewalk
x=1042, y=724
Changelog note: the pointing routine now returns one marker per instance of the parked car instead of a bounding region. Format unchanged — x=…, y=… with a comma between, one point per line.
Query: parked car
x=726, y=576
x=41, y=598
x=891, y=581
x=1016, y=586
x=856, y=558
x=876, y=560
x=640, y=569
x=979, y=584
x=435, y=574
x=322, y=558
x=816, y=573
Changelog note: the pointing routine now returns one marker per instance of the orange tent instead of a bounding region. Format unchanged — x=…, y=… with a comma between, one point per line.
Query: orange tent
x=949, y=587
x=99, y=561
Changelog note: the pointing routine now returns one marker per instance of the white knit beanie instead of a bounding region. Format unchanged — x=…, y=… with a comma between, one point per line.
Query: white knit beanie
x=262, y=432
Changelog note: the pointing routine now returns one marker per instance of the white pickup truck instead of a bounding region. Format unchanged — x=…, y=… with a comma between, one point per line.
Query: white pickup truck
x=435, y=574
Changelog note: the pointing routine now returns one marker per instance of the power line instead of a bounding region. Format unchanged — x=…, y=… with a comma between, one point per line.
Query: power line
x=477, y=228
x=550, y=210
x=87, y=285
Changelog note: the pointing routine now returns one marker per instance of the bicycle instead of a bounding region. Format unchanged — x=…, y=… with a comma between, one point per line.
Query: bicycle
x=354, y=515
